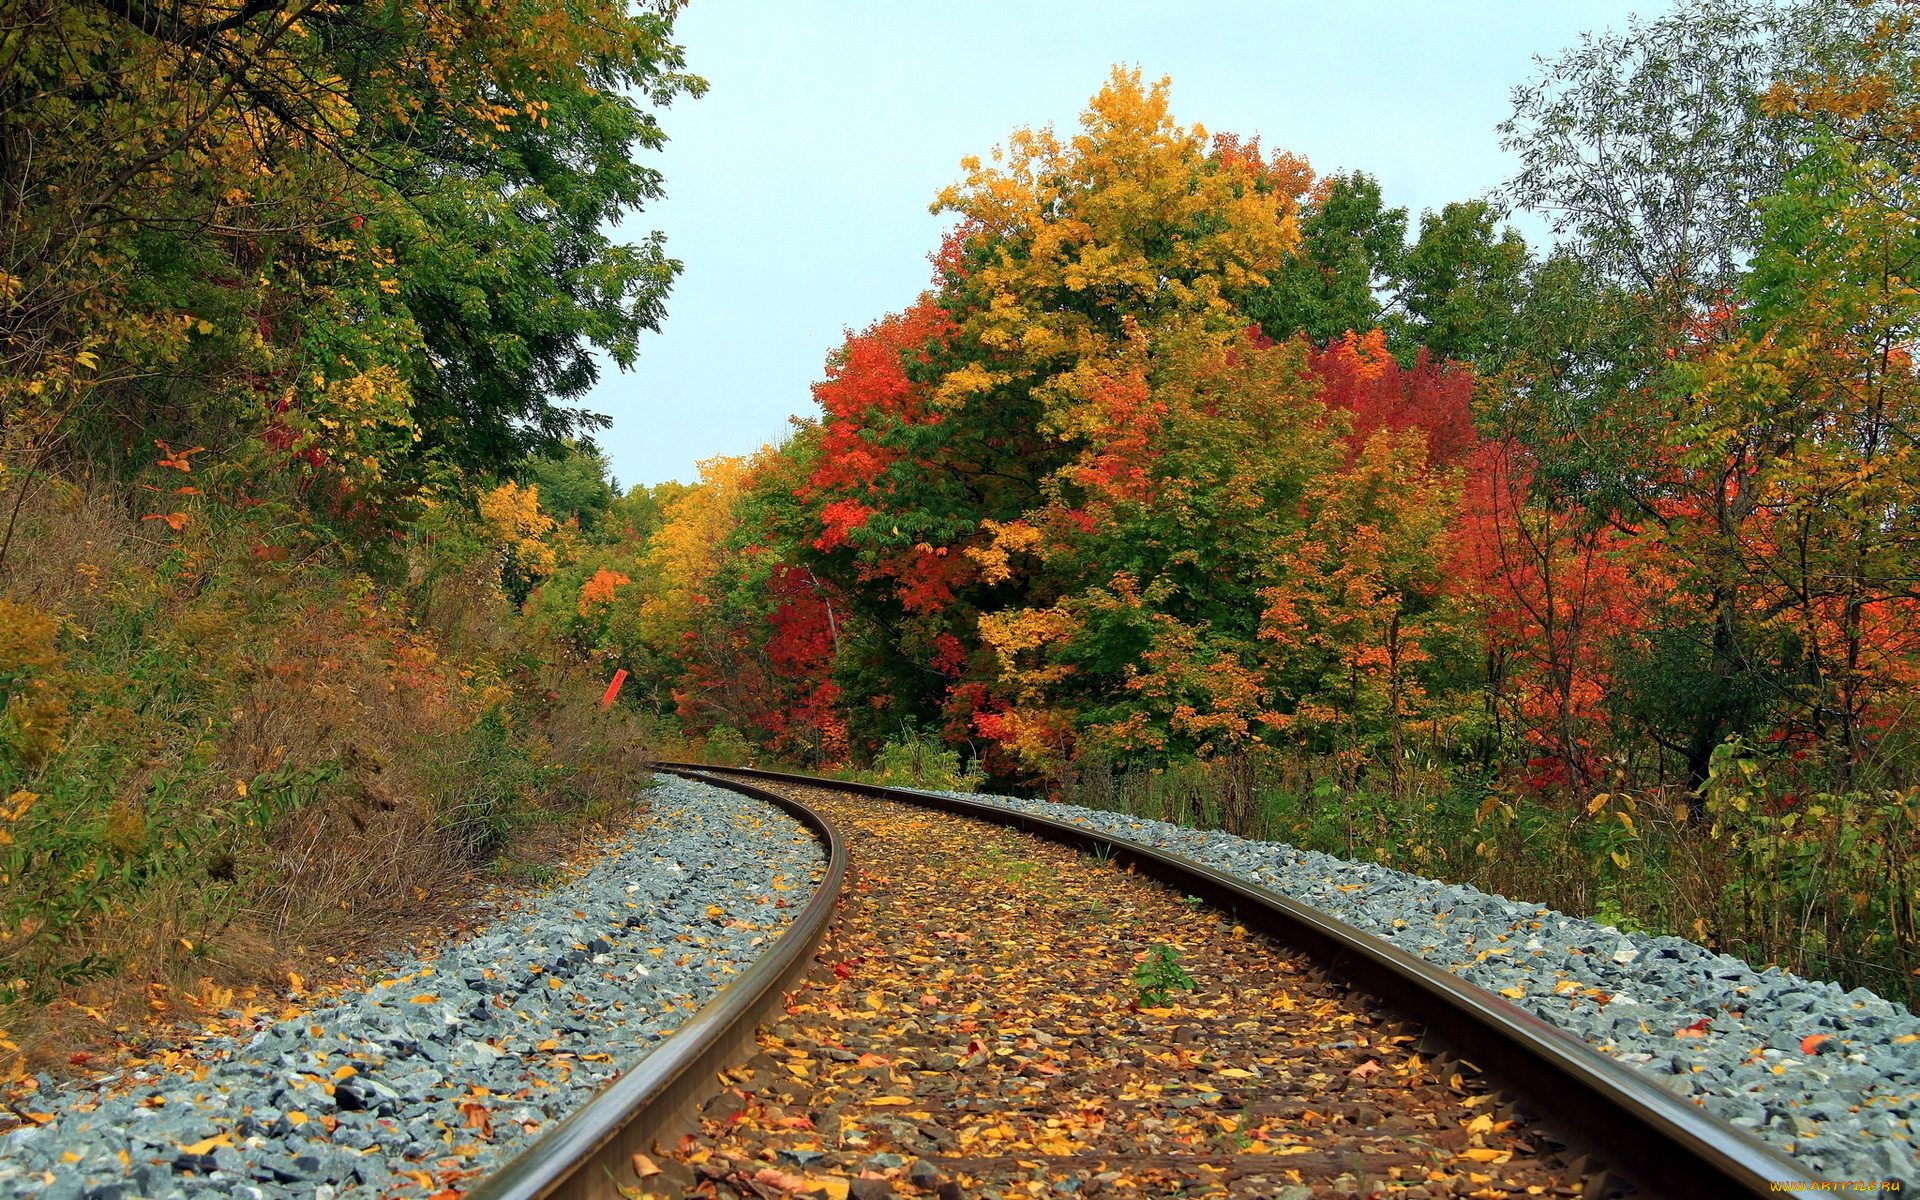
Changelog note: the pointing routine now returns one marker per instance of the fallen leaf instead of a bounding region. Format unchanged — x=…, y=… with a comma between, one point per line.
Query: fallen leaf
x=218, y=1139
x=1812, y=1042
x=1365, y=1070
x=835, y=1187
x=644, y=1166
x=780, y=1179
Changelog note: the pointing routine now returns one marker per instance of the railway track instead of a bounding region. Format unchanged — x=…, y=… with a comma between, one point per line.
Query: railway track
x=1312, y=1060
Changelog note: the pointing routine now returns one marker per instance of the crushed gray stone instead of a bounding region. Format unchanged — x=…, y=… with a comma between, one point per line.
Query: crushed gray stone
x=443, y=1068
x=1847, y=1111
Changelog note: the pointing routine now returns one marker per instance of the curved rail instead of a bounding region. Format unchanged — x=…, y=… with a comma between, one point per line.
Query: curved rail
x=589, y=1155
x=1639, y=1130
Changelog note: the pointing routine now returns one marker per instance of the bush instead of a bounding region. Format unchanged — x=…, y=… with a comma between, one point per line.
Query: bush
x=921, y=762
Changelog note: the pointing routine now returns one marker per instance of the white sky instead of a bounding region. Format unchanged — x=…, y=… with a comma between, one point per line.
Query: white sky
x=798, y=187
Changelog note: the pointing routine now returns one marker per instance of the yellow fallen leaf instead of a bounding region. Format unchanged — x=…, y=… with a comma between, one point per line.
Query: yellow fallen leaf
x=876, y=1001
x=296, y=1117
x=424, y=998
x=880, y=1100
x=218, y=1139
x=1487, y=1156
x=1513, y=993
x=549, y=1044
x=1480, y=1124
x=346, y=1072
x=1908, y=1037
x=835, y=1187
x=1234, y=1073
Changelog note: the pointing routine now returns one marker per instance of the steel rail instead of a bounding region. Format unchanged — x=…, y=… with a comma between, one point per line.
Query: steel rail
x=1641, y=1132
x=589, y=1155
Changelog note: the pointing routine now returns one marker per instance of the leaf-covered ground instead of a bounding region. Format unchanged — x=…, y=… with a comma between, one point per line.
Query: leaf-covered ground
x=977, y=1029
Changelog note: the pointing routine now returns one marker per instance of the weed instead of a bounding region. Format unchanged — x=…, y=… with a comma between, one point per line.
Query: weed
x=1159, y=974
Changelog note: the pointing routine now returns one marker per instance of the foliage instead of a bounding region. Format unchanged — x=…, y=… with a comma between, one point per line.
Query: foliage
x=1203, y=485
x=300, y=298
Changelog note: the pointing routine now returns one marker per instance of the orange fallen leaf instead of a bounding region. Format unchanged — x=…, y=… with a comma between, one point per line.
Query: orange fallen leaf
x=644, y=1166
x=1812, y=1042
x=871, y=1060
x=1366, y=1070
x=175, y=520
x=1697, y=1029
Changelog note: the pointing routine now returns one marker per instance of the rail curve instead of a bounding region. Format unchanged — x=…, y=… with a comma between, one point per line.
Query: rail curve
x=589, y=1155
x=1641, y=1133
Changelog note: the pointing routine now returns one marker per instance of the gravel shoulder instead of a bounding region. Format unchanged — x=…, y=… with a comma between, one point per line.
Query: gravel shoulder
x=442, y=1068
x=1831, y=1076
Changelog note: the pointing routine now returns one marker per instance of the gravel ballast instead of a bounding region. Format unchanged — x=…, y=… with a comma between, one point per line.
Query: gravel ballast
x=441, y=1070
x=1843, y=1109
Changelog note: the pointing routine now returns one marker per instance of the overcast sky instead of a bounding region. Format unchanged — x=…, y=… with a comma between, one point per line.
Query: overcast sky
x=798, y=186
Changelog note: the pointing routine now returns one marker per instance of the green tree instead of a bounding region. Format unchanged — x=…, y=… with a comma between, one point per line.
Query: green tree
x=1461, y=285
x=574, y=481
x=1350, y=248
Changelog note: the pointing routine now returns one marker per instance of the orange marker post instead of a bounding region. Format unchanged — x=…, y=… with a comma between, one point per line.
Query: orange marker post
x=613, y=690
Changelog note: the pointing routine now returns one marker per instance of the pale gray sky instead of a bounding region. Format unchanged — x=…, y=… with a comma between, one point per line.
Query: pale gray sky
x=798, y=187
